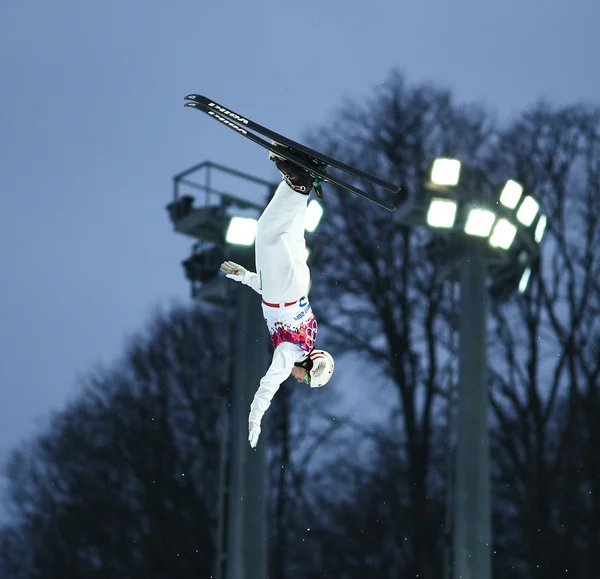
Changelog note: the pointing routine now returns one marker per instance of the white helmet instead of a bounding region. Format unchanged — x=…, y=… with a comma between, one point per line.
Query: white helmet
x=322, y=368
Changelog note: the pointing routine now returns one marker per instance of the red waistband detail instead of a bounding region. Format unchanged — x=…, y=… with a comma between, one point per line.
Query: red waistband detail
x=281, y=305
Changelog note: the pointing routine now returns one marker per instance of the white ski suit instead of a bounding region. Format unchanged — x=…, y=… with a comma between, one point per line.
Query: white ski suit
x=282, y=278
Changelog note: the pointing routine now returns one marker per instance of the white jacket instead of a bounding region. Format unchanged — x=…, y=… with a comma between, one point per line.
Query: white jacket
x=293, y=331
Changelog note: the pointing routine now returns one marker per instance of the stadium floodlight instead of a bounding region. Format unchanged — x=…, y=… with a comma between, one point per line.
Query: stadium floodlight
x=441, y=213
x=314, y=212
x=540, y=228
x=479, y=222
x=511, y=194
x=503, y=234
x=524, y=282
x=445, y=171
x=527, y=211
x=241, y=231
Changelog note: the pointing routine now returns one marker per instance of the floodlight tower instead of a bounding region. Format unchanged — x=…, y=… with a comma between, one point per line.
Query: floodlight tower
x=225, y=228
x=487, y=239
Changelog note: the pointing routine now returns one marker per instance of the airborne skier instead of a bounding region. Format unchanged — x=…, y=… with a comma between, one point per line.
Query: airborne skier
x=283, y=279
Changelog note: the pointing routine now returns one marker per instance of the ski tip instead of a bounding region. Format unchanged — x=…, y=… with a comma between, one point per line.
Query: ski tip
x=193, y=97
x=400, y=196
x=192, y=104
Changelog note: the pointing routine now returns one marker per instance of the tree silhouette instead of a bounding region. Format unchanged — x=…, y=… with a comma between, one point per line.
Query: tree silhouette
x=124, y=483
x=545, y=363
x=382, y=298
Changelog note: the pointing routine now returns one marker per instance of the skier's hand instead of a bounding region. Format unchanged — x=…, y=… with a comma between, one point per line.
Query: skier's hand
x=233, y=270
x=253, y=433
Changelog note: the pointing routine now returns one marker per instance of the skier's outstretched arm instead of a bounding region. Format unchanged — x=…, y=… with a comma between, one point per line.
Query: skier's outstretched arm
x=284, y=357
x=237, y=272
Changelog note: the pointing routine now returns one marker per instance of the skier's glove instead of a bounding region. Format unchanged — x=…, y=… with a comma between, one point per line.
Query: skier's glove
x=253, y=433
x=233, y=270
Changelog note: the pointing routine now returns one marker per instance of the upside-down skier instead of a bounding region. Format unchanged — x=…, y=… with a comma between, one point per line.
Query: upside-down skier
x=282, y=278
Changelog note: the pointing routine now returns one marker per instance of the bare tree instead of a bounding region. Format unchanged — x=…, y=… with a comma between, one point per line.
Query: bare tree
x=123, y=483
x=379, y=295
x=545, y=362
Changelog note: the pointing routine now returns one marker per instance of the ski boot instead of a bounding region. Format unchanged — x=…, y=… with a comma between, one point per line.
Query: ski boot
x=298, y=178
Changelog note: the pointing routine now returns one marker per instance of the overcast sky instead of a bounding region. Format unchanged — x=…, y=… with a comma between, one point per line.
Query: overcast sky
x=92, y=131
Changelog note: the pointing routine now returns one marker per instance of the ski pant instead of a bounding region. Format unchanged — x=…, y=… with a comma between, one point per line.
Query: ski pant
x=281, y=248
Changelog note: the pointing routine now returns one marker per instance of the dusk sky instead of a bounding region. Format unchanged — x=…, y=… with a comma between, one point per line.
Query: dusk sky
x=92, y=130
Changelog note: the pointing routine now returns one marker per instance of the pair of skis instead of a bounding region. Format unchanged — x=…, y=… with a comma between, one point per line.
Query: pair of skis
x=316, y=163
